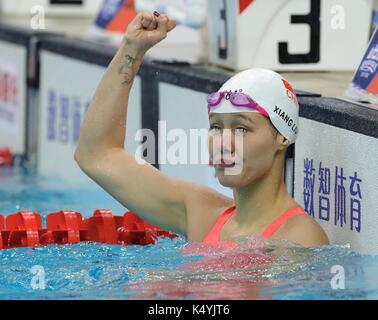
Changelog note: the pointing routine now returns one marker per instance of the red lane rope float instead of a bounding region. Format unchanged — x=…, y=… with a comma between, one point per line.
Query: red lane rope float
x=2, y=227
x=24, y=229
x=63, y=227
x=6, y=157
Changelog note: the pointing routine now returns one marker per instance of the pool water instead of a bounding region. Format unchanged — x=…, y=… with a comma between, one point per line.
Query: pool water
x=166, y=270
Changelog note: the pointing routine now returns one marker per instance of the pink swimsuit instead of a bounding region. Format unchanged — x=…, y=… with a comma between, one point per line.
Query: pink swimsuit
x=213, y=237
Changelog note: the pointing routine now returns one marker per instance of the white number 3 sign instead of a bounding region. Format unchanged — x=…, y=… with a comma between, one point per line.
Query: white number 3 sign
x=289, y=35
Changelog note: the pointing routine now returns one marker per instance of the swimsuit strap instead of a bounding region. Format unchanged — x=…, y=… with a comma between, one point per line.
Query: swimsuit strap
x=213, y=237
x=276, y=224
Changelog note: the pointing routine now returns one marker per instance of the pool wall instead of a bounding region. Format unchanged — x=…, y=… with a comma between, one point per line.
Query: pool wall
x=19, y=73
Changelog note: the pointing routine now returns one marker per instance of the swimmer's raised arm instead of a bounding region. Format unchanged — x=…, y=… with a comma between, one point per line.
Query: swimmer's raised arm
x=100, y=152
x=104, y=124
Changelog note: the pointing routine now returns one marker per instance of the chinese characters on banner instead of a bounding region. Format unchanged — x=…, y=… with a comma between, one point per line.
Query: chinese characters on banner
x=320, y=182
x=64, y=117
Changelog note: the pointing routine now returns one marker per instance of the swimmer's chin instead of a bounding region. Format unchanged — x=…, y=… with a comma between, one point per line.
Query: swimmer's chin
x=237, y=177
x=229, y=181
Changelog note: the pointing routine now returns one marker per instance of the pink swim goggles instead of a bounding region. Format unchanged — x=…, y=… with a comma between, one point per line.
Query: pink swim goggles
x=238, y=100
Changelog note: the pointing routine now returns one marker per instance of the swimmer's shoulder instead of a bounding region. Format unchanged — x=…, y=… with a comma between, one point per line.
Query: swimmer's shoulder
x=303, y=230
x=204, y=206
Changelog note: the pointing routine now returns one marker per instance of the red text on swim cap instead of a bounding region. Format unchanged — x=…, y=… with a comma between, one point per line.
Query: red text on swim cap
x=290, y=92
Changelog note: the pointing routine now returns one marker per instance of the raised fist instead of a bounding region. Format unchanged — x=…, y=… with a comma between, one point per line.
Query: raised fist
x=147, y=29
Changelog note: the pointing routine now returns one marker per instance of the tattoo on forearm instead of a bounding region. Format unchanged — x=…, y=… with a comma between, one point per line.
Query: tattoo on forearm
x=126, y=69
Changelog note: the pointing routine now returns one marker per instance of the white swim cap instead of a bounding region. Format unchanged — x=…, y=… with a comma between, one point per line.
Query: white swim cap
x=271, y=92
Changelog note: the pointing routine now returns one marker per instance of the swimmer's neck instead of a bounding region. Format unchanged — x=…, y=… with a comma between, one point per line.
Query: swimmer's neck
x=262, y=202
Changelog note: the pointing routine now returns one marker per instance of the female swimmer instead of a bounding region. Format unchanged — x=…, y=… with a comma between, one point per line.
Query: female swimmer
x=253, y=119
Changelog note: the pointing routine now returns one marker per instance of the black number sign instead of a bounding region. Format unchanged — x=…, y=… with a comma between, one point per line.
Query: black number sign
x=312, y=19
x=222, y=51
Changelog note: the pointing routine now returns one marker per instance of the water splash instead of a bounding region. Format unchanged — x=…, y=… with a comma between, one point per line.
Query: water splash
x=163, y=271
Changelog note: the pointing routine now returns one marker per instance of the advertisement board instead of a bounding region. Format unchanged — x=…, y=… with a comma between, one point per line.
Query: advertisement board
x=336, y=176
x=12, y=96
x=67, y=87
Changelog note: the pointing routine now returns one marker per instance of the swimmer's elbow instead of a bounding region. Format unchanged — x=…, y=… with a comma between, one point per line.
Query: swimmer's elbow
x=86, y=158
x=85, y=161
x=81, y=159
x=77, y=156
x=81, y=162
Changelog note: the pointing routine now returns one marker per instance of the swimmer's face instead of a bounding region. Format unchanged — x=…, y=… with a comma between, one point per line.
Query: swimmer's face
x=242, y=146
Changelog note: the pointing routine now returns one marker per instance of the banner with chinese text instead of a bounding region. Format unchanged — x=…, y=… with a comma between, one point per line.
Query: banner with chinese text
x=336, y=181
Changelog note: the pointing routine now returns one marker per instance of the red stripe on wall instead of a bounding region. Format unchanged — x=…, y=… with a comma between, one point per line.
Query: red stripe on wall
x=122, y=19
x=373, y=86
x=244, y=4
